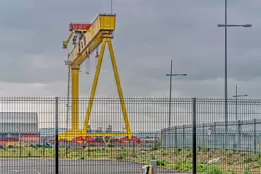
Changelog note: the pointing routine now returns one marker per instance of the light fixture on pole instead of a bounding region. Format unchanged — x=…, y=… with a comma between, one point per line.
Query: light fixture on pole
x=170, y=88
x=225, y=26
x=245, y=25
x=236, y=96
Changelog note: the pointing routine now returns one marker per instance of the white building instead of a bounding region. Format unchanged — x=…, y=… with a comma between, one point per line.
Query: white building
x=18, y=122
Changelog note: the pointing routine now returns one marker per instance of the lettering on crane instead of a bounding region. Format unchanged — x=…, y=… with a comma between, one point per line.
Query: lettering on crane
x=79, y=26
x=88, y=40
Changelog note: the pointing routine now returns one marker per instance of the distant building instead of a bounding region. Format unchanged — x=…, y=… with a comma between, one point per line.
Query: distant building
x=18, y=126
x=109, y=128
x=48, y=134
x=99, y=129
x=18, y=122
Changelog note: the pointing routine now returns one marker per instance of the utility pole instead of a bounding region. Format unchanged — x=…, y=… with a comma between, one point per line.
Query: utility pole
x=111, y=6
x=170, y=89
x=225, y=26
x=68, y=105
x=236, y=96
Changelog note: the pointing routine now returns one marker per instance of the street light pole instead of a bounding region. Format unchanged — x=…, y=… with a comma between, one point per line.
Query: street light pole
x=226, y=25
x=236, y=102
x=226, y=107
x=236, y=96
x=170, y=89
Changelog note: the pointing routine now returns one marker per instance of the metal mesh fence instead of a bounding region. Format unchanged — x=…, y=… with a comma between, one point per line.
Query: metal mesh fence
x=236, y=150
x=24, y=147
x=28, y=135
x=147, y=116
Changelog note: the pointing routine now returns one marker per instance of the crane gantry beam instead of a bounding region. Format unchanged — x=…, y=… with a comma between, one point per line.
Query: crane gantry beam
x=100, y=32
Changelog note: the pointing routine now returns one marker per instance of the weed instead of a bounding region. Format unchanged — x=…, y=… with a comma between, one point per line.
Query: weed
x=165, y=153
x=204, y=169
x=233, y=172
x=189, y=155
x=121, y=156
x=230, y=163
x=153, y=157
x=199, y=148
x=248, y=160
x=247, y=171
x=134, y=155
x=229, y=154
x=184, y=167
x=161, y=162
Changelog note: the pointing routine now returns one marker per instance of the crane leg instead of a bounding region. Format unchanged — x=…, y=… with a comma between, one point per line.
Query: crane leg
x=75, y=98
x=75, y=107
x=117, y=78
x=94, y=86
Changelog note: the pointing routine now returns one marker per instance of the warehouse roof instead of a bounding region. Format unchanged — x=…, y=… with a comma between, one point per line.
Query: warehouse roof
x=18, y=117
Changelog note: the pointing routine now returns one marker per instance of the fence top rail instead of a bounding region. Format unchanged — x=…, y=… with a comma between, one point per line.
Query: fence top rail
x=201, y=125
x=257, y=100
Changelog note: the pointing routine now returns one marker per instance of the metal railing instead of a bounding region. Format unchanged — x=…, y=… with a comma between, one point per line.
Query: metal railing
x=212, y=135
x=29, y=127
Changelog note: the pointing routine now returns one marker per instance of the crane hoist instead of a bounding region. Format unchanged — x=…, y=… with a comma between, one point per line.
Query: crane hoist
x=100, y=32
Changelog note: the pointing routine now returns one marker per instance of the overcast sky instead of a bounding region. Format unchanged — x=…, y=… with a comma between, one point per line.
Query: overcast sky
x=149, y=34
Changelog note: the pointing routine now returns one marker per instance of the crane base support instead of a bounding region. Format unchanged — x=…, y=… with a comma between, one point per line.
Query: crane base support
x=71, y=135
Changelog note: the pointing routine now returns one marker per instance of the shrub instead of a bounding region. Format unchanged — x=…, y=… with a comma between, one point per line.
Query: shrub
x=248, y=160
x=121, y=156
x=183, y=167
x=153, y=157
x=204, y=169
x=134, y=155
x=161, y=162
x=165, y=153
x=29, y=153
x=247, y=171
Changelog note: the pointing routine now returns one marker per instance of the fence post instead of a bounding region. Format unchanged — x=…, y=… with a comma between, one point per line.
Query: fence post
x=56, y=137
x=215, y=134
x=176, y=137
x=194, y=137
x=183, y=137
x=203, y=133
x=255, y=135
x=239, y=135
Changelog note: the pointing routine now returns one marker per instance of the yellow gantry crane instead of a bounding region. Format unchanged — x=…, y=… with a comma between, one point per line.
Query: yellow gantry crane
x=100, y=32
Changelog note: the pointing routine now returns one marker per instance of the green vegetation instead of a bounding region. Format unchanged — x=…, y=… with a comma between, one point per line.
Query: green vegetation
x=175, y=159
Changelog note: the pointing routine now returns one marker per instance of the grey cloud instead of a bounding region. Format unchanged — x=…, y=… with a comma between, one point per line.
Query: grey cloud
x=148, y=35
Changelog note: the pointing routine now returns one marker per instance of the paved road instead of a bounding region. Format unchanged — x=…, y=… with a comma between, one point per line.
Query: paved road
x=70, y=167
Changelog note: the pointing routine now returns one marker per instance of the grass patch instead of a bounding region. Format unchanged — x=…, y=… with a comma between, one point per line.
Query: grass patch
x=177, y=159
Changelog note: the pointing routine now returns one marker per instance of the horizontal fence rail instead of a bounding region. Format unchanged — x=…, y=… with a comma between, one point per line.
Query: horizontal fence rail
x=30, y=127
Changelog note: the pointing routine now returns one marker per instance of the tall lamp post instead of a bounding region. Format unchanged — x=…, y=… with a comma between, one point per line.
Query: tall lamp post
x=170, y=88
x=236, y=96
x=226, y=25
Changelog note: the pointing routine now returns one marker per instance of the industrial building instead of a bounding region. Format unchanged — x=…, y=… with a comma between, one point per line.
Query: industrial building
x=18, y=127
x=48, y=134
